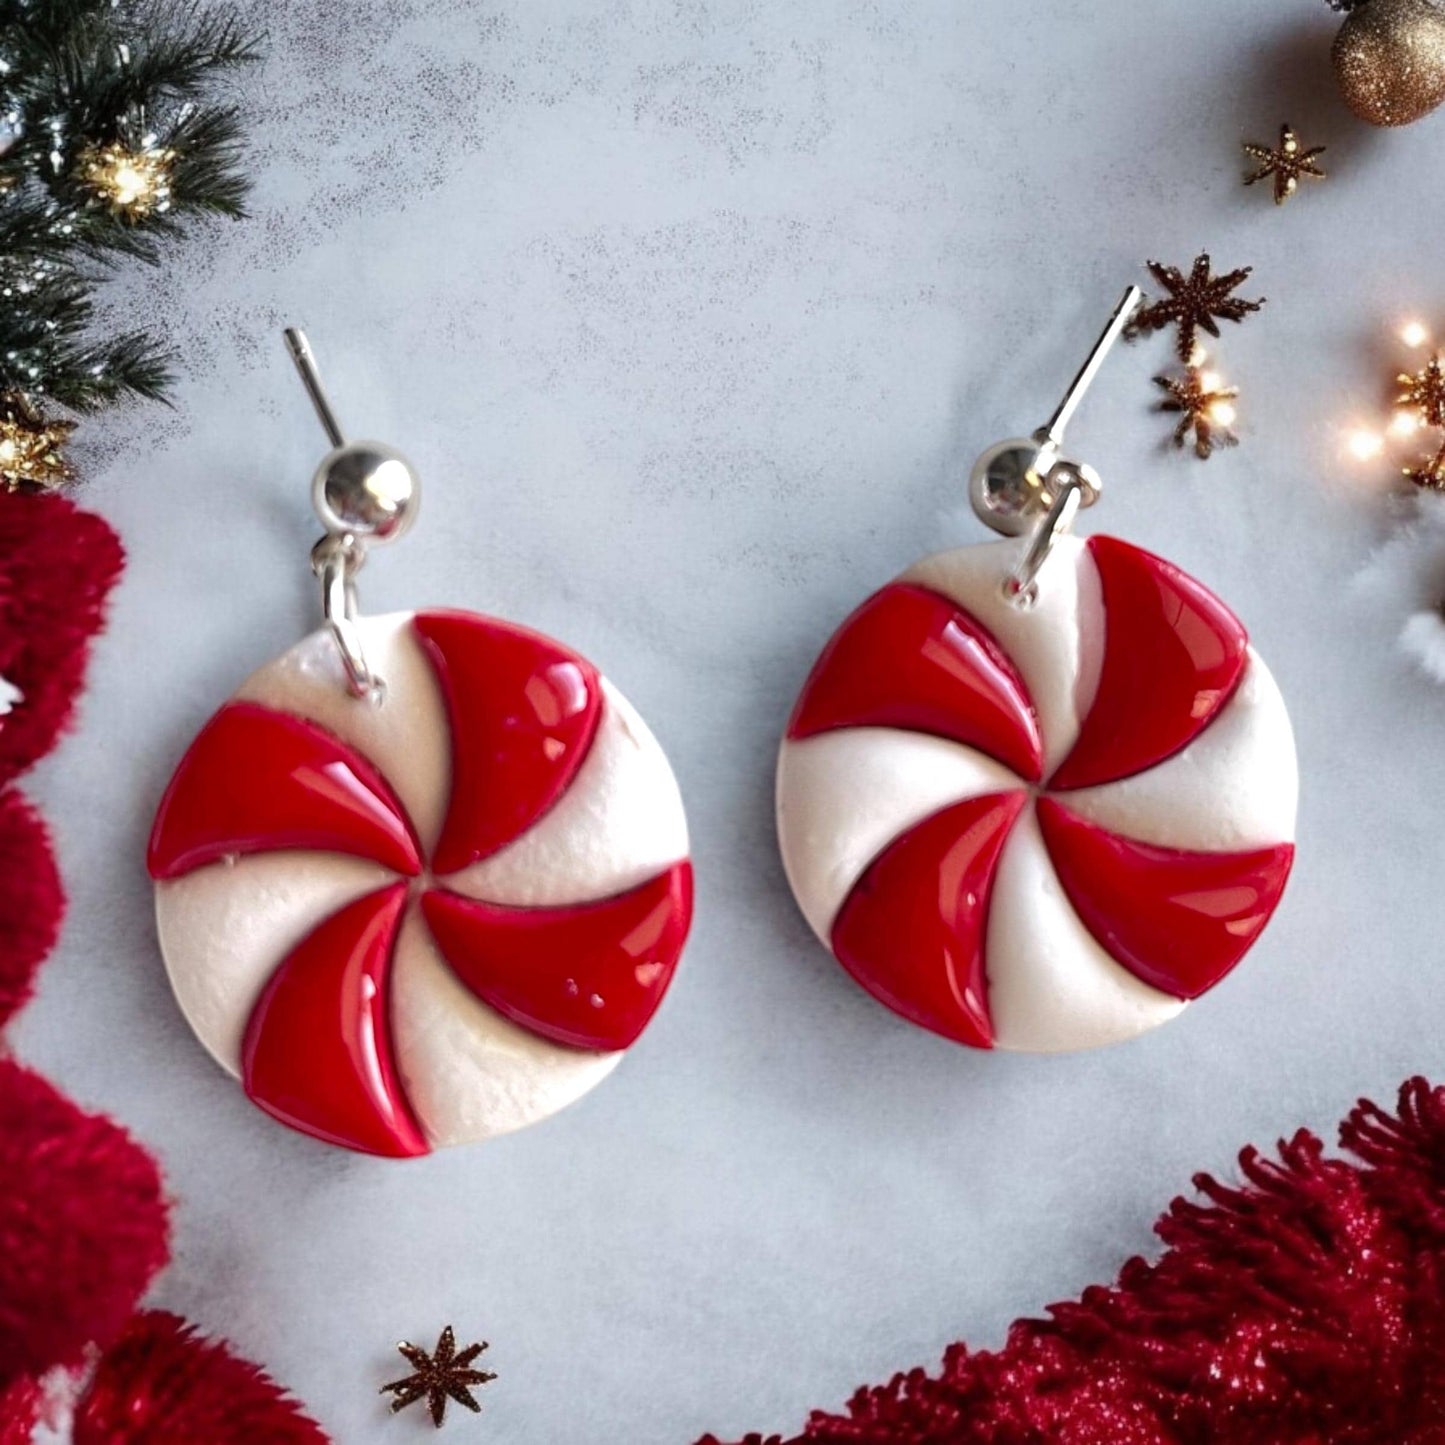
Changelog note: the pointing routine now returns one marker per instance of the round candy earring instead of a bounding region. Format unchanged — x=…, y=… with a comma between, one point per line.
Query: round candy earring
x=1039, y=793
x=425, y=877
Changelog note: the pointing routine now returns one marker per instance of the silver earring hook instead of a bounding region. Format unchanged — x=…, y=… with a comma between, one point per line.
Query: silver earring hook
x=1021, y=585
x=1024, y=485
x=363, y=492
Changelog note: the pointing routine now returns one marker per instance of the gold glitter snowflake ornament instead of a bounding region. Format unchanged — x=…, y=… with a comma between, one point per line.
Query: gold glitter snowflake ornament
x=32, y=449
x=1194, y=303
x=1205, y=407
x=132, y=184
x=441, y=1376
x=1423, y=392
x=1429, y=474
x=1286, y=163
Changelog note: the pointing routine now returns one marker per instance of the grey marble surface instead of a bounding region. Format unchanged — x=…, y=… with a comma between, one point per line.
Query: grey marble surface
x=694, y=316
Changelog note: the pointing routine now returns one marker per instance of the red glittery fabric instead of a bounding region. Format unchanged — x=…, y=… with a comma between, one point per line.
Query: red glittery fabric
x=164, y=1384
x=1305, y=1305
x=19, y=1412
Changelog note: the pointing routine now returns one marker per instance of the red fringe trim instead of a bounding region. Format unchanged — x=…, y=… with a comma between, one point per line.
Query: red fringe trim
x=1306, y=1304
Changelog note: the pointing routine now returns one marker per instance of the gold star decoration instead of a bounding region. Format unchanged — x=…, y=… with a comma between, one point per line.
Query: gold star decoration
x=132, y=184
x=441, y=1376
x=32, y=448
x=1423, y=391
x=1286, y=162
x=1205, y=407
x=1430, y=473
x=1196, y=302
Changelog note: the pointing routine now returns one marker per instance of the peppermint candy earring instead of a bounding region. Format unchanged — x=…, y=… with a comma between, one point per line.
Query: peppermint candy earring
x=425, y=877
x=1039, y=793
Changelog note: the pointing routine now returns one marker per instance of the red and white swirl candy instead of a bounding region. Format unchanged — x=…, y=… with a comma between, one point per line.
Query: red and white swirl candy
x=1039, y=829
x=432, y=920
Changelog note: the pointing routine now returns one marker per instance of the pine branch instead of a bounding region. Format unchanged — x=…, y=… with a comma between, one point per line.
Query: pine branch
x=207, y=175
x=126, y=139
x=46, y=351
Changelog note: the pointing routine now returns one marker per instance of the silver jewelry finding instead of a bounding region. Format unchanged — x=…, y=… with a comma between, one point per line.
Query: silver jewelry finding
x=1024, y=485
x=363, y=492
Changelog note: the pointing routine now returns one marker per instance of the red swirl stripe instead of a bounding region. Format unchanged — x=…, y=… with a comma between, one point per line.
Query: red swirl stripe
x=913, y=929
x=317, y=1053
x=256, y=780
x=1178, y=920
x=1173, y=655
x=523, y=711
x=589, y=977
x=910, y=658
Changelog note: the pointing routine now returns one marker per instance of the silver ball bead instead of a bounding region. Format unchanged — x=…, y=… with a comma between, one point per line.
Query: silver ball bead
x=1010, y=484
x=366, y=489
x=1005, y=488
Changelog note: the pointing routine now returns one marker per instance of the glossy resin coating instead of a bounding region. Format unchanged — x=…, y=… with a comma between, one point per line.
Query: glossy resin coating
x=1046, y=828
x=430, y=920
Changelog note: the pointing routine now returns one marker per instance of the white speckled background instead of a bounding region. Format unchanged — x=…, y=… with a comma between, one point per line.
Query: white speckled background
x=693, y=316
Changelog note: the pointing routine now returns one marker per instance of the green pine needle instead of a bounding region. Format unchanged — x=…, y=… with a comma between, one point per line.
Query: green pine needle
x=82, y=74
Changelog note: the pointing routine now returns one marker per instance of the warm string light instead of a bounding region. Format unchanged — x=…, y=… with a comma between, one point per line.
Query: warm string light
x=1419, y=407
x=1365, y=445
x=1204, y=404
x=132, y=184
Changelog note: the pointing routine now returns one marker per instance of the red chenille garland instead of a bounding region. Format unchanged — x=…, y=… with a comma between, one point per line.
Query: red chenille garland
x=57, y=567
x=164, y=1384
x=20, y=1410
x=83, y=1227
x=83, y=1217
x=31, y=901
x=1305, y=1307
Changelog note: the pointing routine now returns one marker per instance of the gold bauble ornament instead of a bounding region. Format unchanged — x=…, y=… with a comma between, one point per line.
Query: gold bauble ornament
x=1389, y=59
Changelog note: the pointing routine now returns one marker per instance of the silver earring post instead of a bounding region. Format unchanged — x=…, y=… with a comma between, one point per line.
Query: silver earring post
x=363, y=492
x=1025, y=486
x=301, y=354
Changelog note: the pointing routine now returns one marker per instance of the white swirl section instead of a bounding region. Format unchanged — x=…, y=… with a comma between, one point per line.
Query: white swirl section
x=468, y=1073
x=1051, y=987
x=224, y=928
x=406, y=737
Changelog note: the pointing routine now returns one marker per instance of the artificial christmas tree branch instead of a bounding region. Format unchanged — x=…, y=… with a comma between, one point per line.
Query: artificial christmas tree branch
x=114, y=141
